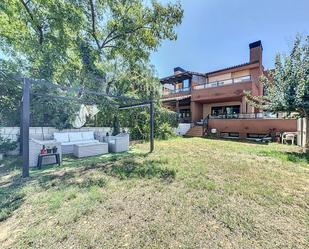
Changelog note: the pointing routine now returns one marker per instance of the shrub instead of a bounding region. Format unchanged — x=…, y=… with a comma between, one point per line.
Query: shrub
x=164, y=123
x=7, y=145
x=165, y=131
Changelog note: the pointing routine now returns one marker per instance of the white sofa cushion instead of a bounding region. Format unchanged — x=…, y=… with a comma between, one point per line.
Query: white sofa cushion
x=88, y=135
x=61, y=137
x=75, y=136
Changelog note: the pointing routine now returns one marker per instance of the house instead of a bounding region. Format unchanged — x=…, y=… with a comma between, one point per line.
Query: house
x=216, y=100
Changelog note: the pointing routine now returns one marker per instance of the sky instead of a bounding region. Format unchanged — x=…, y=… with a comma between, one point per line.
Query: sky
x=215, y=34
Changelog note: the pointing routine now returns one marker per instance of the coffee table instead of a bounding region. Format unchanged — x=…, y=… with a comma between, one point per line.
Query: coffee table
x=94, y=149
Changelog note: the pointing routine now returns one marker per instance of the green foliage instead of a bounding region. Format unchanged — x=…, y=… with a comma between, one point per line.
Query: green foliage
x=10, y=94
x=7, y=145
x=287, y=86
x=99, y=45
x=165, y=121
x=165, y=131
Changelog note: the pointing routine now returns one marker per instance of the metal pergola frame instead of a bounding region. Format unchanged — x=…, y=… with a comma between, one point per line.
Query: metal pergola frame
x=25, y=115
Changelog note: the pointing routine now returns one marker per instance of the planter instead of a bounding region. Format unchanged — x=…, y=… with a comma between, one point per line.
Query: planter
x=1, y=156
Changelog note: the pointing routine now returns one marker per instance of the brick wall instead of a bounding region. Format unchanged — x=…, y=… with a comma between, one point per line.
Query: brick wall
x=257, y=126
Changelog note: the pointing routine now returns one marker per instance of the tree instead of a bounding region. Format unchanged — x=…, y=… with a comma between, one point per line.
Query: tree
x=103, y=45
x=287, y=86
x=58, y=39
x=10, y=94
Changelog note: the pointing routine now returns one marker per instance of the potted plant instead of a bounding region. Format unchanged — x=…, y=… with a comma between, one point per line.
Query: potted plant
x=6, y=145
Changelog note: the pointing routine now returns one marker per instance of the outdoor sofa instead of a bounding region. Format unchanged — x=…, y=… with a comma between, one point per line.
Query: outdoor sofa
x=69, y=139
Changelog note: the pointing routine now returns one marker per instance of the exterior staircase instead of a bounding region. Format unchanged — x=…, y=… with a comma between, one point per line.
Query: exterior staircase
x=195, y=131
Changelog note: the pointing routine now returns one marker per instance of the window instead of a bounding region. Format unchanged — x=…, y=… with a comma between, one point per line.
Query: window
x=199, y=79
x=242, y=79
x=216, y=111
x=255, y=136
x=186, y=83
x=232, y=109
x=225, y=110
x=185, y=113
x=229, y=134
x=233, y=134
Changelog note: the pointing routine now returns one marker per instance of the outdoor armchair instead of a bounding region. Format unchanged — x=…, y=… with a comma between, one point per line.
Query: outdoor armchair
x=118, y=143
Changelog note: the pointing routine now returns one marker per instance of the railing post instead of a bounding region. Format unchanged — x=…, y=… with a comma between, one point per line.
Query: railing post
x=25, y=122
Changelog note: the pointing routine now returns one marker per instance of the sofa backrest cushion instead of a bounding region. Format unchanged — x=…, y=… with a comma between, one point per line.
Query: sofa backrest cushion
x=61, y=137
x=75, y=136
x=88, y=135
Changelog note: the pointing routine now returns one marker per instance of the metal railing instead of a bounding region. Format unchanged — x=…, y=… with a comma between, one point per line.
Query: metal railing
x=260, y=115
x=223, y=82
x=180, y=90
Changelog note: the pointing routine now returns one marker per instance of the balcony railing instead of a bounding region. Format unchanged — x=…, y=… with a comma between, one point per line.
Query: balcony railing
x=180, y=90
x=223, y=82
x=260, y=115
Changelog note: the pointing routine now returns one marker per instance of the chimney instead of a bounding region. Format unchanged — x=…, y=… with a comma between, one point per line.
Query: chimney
x=178, y=70
x=256, y=51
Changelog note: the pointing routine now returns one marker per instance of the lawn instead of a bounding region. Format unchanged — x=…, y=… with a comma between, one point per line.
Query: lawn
x=190, y=193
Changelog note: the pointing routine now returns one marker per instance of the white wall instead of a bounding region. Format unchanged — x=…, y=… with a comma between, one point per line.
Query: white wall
x=182, y=128
x=45, y=133
x=302, y=130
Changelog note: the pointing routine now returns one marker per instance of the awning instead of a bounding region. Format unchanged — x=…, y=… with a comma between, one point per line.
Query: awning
x=176, y=78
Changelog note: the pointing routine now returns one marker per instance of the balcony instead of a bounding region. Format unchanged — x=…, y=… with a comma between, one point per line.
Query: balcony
x=167, y=93
x=260, y=115
x=223, y=82
x=222, y=91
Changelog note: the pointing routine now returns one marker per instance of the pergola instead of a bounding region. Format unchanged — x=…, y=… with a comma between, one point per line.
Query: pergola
x=25, y=118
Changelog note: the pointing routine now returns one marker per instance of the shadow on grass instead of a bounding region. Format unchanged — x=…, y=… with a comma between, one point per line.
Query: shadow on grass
x=147, y=169
x=123, y=169
x=11, y=195
x=78, y=173
x=9, y=164
x=237, y=140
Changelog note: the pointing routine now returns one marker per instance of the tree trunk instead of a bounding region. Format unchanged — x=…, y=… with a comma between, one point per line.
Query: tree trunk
x=116, y=126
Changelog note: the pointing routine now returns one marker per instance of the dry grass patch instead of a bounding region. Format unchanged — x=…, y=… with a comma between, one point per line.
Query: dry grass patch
x=190, y=193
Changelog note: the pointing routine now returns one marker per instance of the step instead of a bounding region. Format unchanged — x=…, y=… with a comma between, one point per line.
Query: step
x=195, y=131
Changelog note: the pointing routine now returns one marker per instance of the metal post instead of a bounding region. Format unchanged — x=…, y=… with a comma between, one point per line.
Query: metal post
x=25, y=127
x=151, y=126
x=21, y=128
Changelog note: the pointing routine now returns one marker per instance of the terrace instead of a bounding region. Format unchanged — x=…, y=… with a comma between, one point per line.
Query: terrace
x=176, y=85
x=180, y=90
x=225, y=82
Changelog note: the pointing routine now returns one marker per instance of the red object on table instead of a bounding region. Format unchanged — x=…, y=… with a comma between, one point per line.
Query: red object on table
x=43, y=151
